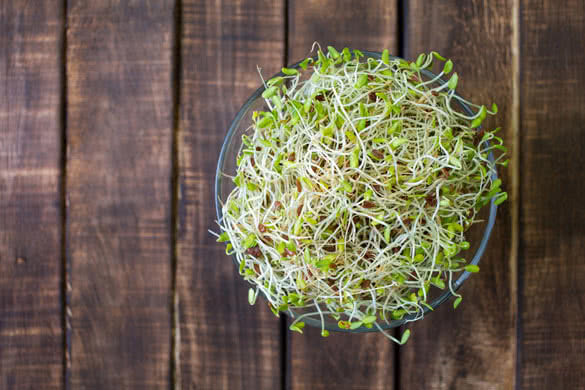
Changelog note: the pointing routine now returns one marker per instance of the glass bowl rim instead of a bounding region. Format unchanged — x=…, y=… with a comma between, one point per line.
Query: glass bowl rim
x=446, y=295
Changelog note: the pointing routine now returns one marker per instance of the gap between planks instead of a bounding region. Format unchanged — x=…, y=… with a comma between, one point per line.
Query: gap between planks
x=66, y=287
x=177, y=63
x=515, y=287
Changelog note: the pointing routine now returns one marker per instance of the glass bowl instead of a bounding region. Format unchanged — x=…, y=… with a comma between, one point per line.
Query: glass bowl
x=478, y=235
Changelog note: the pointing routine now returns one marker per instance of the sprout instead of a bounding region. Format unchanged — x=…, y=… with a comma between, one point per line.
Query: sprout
x=297, y=327
x=251, y=296
x=355, y=187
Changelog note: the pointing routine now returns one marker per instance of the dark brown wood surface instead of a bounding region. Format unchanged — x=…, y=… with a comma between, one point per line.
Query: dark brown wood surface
x=119, y=133
x=112, y=114
x=224, y=342
x=474, y=345
x=343, y=23
x=31, y=335
x=552, y=268
x=340, y=361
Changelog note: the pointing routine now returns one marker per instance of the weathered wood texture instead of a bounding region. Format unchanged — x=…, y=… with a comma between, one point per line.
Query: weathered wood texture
x=552, y=268
x=340, y=361
x=473, y=346
x=119, y=123
x=120, y=63
x=31, y=339
x=346, y=23
x=225, y=343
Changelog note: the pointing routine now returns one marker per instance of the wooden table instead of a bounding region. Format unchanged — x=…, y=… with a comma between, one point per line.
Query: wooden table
x=112, y=114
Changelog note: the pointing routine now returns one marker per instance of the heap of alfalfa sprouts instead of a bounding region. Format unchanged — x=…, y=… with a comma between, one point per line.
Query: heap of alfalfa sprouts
x=354, y=189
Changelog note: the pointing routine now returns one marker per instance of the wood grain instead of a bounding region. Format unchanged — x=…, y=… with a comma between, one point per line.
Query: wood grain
x=225, y=343
x=119, y=192
x=31, y=340
x=340, y=361
x=473, y=346
x=346, y=23
x=552, y=299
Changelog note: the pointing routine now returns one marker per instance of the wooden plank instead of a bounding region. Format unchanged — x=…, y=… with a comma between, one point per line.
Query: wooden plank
x=552, y=272
x=473, y=346
x=119, y=64
x=340, y=361
x=372, y=26
x=31, y=337
x=225, y=343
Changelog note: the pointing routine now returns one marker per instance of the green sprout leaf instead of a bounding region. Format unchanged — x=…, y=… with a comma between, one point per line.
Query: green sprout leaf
x=483, y=112
x=264, y=122
x=274, y=81
x=297, y=327
x=291, y=246
x=472, y=268
x=332, y=52
x=323, y=264
x=368, y=194
x=268, y=93
x=290, y=71
x=323, y=61
x=501, y=198
x=476, y=123
x=394, y=128
x=420, y=60
x=305, y=63
x=438, y=56
x=250, y=241
x=301, y=282
x=457, y=302
x=346, y=54
x=455, y=162
x=223, y=237
x=496, y=184
x=397, y=142
x=452, y=84
x=447, y=68
x=280, y=247
x=386, y=57
x=298, y=226
x=347, y=187
x=438, y=282
x=355, y=325
x=354, y=158
x=306, y=255
x=405, y=337
x=344, y=324
x=362, y=81
x=251, y=297
x=387, y=234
